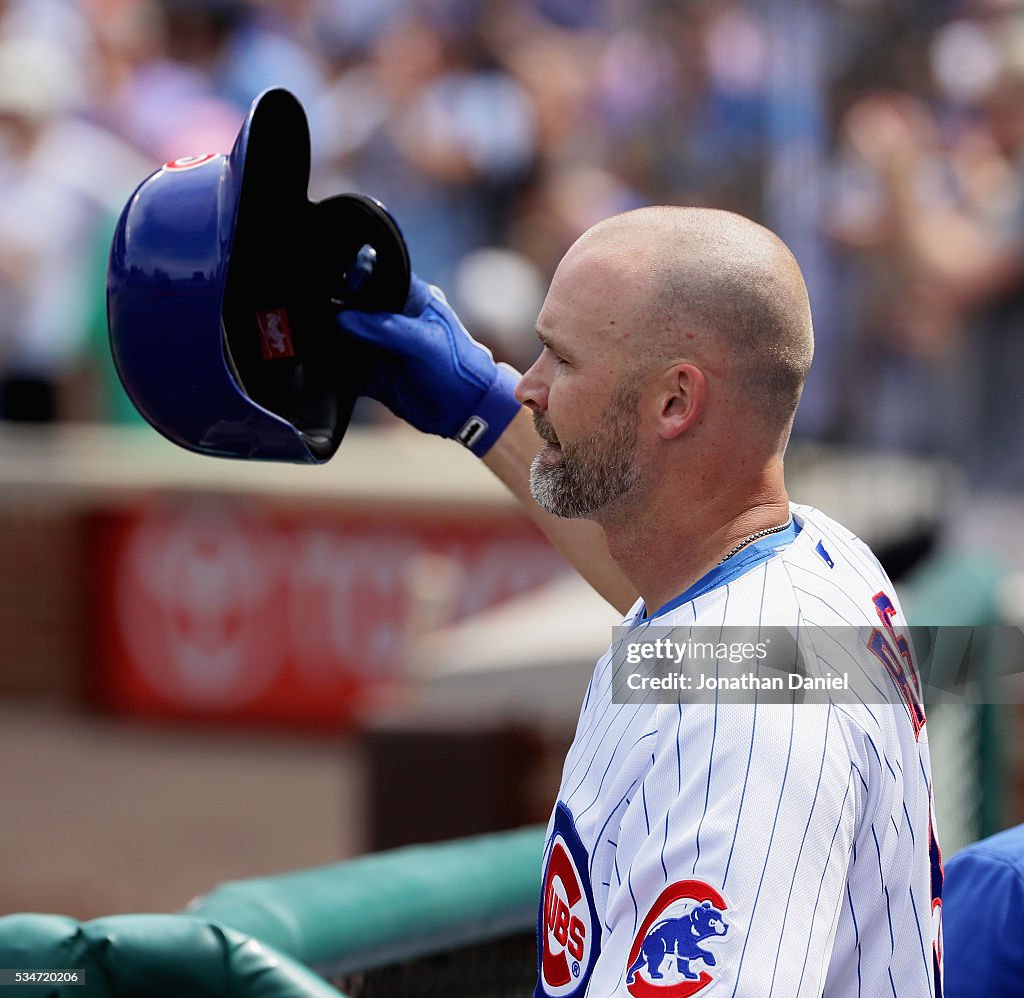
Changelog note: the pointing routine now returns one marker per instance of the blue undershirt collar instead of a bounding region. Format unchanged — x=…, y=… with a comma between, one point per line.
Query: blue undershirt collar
x=728, y=571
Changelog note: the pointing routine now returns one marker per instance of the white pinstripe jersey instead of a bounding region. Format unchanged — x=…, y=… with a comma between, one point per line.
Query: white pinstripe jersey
x=754, y=850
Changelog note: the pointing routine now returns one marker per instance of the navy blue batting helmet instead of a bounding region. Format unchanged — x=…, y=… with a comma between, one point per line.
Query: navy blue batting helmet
x=223, y=286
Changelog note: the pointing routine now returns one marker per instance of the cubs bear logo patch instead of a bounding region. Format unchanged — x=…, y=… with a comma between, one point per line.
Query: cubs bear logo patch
x=671, y=956
x=568, y=929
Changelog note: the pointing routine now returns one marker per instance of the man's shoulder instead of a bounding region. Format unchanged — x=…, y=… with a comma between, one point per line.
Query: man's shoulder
x=982, y=903
x=826, y=575
x=1004, y=849
x=833, y=572
x=813, y=523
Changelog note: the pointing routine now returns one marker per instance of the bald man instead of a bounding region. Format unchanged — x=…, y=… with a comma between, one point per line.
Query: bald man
x=751, y=845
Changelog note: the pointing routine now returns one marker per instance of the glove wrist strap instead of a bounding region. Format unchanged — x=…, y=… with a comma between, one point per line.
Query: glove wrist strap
x=495, y=409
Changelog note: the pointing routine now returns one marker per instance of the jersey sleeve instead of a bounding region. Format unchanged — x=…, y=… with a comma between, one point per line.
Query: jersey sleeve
x=730, y=860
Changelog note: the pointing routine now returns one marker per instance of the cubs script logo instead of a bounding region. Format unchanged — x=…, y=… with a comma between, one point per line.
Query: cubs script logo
x=670, y=953
x=568, y=930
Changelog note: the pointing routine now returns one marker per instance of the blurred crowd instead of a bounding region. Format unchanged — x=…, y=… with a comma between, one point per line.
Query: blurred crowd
x=883, y=139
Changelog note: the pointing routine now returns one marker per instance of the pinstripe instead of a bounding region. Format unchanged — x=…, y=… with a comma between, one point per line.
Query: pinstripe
x=892, y=771
x=822, y=973
x=925, y=959
x=593, y=728
x=910, y=826
x=924, y=774
x=643, y=791
x=664, y=868
x=679, y=789
x=707, y=789
x=603, y=666
x=753, y=730
x=597, y=725
x=839, y=646
x=771, y=839
x=711, y=753
x=821, y=883
x=864, y=613
x=604, y=775
x=586, y=699
x=636, y=907
x=803, y=840
x=593, y=758
x=611, y=815
x=885, y=891
x=856, y=931
x=743, y=794
x=845, y=651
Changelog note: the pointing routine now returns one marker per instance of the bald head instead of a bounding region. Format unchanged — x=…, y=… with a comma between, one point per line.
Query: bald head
x=714, y=286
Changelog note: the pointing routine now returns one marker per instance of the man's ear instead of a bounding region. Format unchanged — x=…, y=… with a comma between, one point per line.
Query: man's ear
x=682, y=393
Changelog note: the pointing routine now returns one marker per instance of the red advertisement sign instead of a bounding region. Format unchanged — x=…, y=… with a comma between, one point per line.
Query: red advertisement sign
x=211, y=610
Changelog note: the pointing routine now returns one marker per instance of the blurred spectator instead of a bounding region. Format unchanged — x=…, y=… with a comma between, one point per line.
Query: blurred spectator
x=978, y=256
x=273, y=44
x=932, y=198
x=882, y=140
x=160, y=88
x=892, y=174
x=498, y=294
x=59, y=23
x=59, y=176
x=432, y=125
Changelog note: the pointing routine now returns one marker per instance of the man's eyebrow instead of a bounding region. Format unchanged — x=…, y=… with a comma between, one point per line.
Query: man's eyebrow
x=550, y=342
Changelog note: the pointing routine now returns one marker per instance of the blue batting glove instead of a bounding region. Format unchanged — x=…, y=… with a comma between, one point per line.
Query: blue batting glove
x=430, y=372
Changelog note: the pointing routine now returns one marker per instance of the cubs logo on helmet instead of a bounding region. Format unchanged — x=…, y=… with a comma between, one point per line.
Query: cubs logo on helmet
x=191, y=162
x=568, y=930
x=671, y=956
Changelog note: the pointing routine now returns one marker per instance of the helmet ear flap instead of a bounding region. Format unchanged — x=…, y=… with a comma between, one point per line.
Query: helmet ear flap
x=292, y=268
x=359, y=254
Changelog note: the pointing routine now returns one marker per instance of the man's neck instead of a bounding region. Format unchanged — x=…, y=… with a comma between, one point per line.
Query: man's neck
x=664, y=558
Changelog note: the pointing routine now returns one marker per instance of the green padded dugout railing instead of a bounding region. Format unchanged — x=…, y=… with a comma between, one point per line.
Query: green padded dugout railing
x=390, y=907
x=437, y=919
x=149, y=956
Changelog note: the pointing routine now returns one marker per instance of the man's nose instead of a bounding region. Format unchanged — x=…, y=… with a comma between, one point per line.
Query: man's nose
x=532, y=390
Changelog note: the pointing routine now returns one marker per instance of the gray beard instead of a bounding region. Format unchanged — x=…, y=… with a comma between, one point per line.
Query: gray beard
x=590, y=474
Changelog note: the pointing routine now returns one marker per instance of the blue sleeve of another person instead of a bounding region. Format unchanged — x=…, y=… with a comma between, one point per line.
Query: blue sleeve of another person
x=982, y=915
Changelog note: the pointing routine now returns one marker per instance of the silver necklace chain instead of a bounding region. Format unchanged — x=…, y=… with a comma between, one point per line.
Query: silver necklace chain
x=755, y=536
